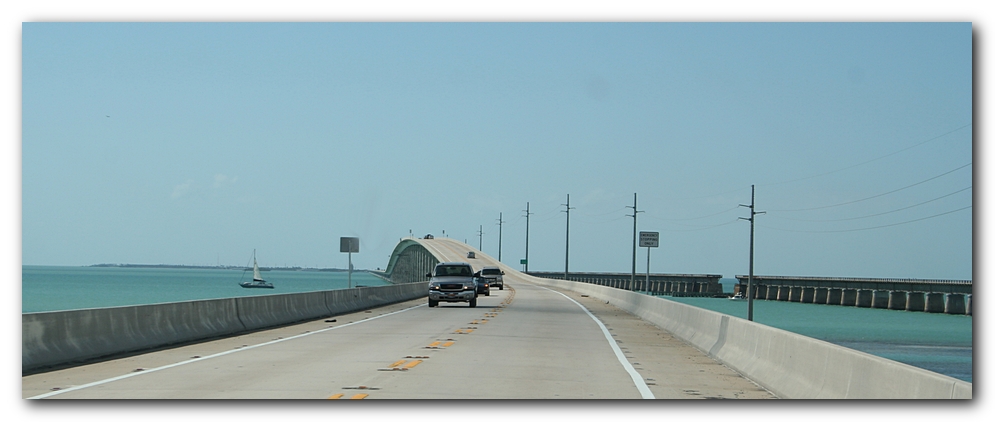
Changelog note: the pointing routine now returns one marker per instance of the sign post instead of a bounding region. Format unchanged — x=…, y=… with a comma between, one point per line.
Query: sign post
x=648, y=240
x=349, y=245
x=525, y=264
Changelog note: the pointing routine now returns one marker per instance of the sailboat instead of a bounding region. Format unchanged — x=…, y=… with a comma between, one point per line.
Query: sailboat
x=257, y=280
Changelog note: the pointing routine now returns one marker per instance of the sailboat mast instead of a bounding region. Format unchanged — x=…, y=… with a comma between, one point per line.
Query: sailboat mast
x=255, y=268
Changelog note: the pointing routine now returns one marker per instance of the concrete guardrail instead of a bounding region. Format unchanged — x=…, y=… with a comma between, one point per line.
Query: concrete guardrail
x=65, y=337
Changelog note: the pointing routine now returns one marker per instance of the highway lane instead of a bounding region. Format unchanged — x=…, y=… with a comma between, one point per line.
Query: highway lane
x=523, y=342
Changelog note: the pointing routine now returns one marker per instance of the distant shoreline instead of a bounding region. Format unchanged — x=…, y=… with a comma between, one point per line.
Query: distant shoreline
x=222, y=267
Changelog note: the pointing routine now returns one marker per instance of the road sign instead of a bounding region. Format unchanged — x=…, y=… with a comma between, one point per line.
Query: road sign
x=649, y=239
x=525, y=261
x=349, y=244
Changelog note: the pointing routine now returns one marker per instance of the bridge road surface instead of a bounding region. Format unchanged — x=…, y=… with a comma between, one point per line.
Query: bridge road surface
x=523, y=342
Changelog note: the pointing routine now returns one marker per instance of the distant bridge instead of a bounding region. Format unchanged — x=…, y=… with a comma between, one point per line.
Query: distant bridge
x=917, y=295
x=665, y=284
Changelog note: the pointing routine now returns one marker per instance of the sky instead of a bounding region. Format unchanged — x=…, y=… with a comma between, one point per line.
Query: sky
x=196, y=143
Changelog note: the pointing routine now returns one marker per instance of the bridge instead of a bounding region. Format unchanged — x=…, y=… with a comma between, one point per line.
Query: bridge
x=538, y=338
x=914, y=295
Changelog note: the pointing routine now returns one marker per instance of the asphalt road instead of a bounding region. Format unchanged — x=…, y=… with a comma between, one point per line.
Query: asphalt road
x=523, y=342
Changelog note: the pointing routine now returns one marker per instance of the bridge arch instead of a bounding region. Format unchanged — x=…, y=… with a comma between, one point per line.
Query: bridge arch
x=409, y=262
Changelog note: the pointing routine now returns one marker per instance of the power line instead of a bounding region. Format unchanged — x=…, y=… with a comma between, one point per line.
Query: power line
x=692, y=218
x=833, y=171
x=872, y=160
x=702, y=227
x=880, y=194
x=870, y=228
x=604, y=214
x=883, y=213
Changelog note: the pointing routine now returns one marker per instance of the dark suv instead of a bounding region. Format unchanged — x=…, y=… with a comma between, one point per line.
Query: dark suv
x=483, y=286
x=452, y=282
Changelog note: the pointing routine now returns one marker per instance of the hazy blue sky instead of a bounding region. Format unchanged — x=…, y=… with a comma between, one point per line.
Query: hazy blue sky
x=194, y=143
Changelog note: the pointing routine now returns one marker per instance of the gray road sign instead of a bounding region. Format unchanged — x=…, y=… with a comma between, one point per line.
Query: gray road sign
x=649, y=239
x=349, y=244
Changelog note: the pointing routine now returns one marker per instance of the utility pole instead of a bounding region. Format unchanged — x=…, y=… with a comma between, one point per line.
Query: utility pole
x=480, y=235
x=527, y=214
x=500, y=222
x=632, y=280
x=566, y=264
x=749, y=281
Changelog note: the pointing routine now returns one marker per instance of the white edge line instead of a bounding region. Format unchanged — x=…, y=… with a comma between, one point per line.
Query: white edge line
x=644, y=390
x=135, y=374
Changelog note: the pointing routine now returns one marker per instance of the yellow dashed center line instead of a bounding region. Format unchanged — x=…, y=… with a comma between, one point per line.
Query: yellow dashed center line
x=336, y=396
x=448, y=343
x=412, y=364
x=359, y=396
x=436, y=343
x=398, y=363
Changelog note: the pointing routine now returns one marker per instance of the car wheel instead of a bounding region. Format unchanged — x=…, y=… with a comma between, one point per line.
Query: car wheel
x=473, y=303
x=500, y=287
x=487, y=294
x=433, y=303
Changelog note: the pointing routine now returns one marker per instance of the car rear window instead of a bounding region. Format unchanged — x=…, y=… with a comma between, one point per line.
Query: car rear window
x=492, y=271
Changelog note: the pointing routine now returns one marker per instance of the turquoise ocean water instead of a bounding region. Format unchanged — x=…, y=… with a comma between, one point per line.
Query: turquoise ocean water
x=937, y=342
x=61, y=288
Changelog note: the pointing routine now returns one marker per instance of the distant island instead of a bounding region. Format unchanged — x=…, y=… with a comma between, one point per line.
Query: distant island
x=225, y=267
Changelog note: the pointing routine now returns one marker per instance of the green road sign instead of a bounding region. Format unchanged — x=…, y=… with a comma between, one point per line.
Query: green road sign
x=525, y=261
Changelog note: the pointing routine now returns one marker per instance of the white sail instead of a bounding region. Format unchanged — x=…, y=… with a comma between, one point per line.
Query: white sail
x=255, y=268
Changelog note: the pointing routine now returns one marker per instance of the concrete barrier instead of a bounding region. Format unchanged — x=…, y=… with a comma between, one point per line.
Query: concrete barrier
x=788, y=364
x=53, y=338
x=69, y=337
x=258, y=312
